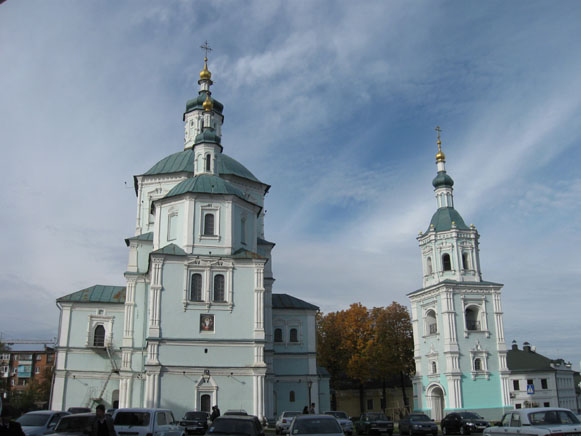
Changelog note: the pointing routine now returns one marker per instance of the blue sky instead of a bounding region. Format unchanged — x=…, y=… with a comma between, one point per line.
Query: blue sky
x=332, y=103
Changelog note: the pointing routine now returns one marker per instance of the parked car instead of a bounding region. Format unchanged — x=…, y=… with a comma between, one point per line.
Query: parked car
x=75, y=424
x=239, y=425
x=540, y=421
x=284, y=421
x=463, y=423
x=374, y=422
x=344, y=421
x=195, y=422
x=40, y=422
x=315, y=425
x=146, y=422
x=417, y=423
x=74, y=410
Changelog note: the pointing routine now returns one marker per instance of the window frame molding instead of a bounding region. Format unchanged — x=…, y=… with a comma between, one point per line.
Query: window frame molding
x=209, y=209
x=208, y=268
x=479, y=353
x=104, y=320
x=479, y=302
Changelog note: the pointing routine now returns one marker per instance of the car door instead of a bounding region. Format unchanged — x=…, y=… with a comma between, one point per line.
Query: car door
x=173, y=428
x=161, y=425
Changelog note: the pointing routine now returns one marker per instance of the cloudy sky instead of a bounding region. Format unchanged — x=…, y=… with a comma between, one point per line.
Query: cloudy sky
x=334, y=104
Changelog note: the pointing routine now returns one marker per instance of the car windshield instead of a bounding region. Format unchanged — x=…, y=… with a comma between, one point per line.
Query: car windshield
x=316, y=426
x=470, y=415
x=549, y=417
x=74, y=424
x=232, y=426
x=419, y=418
x=132, y=419
x=377, y=417
x=196, y=415
x=33, y=419
x=338, y=415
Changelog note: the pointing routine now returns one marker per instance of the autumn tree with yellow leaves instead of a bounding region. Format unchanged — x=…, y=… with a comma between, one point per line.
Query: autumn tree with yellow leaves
x=366, y=344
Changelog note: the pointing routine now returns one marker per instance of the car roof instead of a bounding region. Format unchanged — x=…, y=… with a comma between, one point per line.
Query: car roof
x=243, y=417
x=141, y=409
x=44, y=412
x=303, y=417
x=78, y=415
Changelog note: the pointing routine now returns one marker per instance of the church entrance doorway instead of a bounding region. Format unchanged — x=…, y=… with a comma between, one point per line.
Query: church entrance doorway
x=205, y=403
x=436, y=398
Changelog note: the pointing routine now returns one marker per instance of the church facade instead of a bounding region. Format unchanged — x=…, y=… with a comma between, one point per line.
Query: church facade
x=459, y=346
x=196, y=323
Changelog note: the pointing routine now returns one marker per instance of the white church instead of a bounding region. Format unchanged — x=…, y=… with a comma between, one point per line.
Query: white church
x=196, y=322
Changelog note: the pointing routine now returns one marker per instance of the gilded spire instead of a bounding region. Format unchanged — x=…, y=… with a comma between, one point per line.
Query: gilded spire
x=440, y=156
x=207, y=105
x=205, y=73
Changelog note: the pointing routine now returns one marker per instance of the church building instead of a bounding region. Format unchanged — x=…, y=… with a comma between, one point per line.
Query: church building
x=459, y=346
x=196, y=323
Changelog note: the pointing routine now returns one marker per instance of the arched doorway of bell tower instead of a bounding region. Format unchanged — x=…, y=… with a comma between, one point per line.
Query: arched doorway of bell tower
x=436, y=401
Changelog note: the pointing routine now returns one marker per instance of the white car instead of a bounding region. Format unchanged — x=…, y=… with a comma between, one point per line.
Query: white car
x=40, y=422
x=284, y=421
x=146, y=422
x=539, y=421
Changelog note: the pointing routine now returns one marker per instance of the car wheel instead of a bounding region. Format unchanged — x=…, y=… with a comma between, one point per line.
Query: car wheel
x=277, y=431
x=444, y=430
x=435, y=433
x=464, y=431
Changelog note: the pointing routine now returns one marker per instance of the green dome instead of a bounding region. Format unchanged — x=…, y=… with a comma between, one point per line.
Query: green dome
x=208, y=135
x=183, y=161
x=442, y=179
x=442, y=220
x=196, y=103
x=206, y=184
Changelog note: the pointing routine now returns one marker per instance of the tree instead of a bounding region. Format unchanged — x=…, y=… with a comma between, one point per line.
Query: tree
x=392, y=346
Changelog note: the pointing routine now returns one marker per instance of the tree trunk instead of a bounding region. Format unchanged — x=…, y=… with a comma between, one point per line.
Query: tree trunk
x=361, y=398
x=383, y=395
x=405, y=398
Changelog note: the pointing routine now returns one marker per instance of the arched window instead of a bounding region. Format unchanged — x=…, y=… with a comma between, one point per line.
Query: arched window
x=291, y=396
x=477, y=365
x=431, y=322
x=429, y=266
x=465, y=261
x=472, y=318
x=294, y=335
x=208, y=162
x=446, y=263
x=99, y=336
x=278, y=335
x=219, y=287
x=209, y=224
x=434, y=368
x=196, y=287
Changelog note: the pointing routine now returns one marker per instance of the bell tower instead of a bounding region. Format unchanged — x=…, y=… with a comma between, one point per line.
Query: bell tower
x=459, y=345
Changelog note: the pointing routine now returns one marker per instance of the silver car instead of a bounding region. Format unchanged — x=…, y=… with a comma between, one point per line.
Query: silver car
x=344, y=421
x=539, y=421
x=315, y=425
x=146, y=422
x=40, y=422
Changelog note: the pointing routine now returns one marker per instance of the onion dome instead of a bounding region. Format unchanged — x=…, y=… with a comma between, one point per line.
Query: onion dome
x=198, y=103
x=445, y=219
x=442, y=179
x=207, y=104
x=205, y=73
x=208, y=135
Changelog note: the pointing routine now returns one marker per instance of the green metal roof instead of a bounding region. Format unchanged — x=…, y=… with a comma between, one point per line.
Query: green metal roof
x=206, y=184
x=96, y=294
x=242, y=253
x=172, y=249
x=285, y=301
x=207, y=135
x=197, y=102
x=183, y=161
x=525, y=360
x=148, y=237
x=442, y=220
x=264, y=242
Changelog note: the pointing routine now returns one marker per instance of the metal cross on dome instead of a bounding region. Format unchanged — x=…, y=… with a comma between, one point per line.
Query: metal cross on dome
x=437, y=129
x=206, y=47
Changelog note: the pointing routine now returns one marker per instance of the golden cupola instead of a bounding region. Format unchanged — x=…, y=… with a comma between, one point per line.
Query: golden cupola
x=207, y=105
x=205, y=74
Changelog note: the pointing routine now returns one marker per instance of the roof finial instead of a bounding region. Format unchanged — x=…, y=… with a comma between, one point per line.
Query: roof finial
x=440, y=156
x=205, y=73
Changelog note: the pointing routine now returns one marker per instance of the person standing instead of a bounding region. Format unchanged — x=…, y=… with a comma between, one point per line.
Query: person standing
x=103, y=424
x=215, y=413
x=312, y=409
x=306, y=410
x=7, y=426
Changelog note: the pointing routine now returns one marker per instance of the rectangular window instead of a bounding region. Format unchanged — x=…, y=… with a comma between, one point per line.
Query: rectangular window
x=544, y=384
x=49, y=358
x=37, y=370
x=370, y=404
x=546, y=404
x=517, y=406
x=515, y=385
x=172, y=222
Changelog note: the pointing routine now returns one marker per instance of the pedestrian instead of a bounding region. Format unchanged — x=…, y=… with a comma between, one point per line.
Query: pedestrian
x=312, y=408
x=7, y=426
x=103, y=425
x=215, y=413
x=306, y=410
